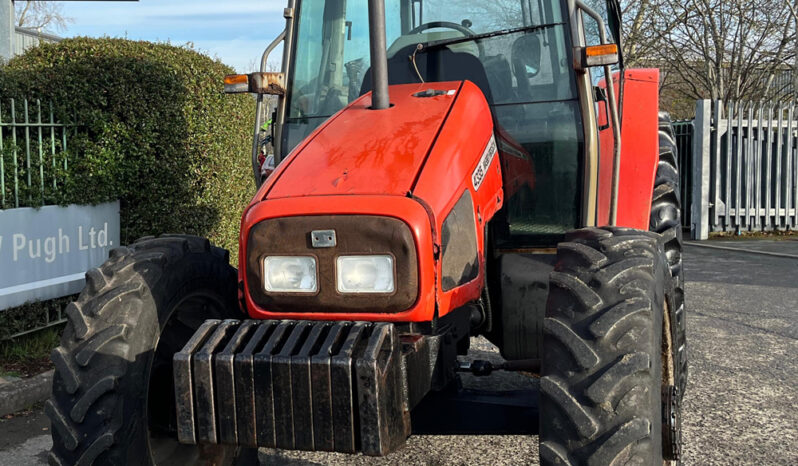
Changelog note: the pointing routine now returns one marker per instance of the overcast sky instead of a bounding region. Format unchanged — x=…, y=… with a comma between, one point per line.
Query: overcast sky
x=236, y=31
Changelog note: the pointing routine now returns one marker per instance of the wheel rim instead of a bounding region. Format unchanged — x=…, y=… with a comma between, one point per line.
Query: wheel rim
x=670, y=399
x=186, y=316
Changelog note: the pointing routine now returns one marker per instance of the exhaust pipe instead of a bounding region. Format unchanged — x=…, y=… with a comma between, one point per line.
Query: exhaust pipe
x=380, y=99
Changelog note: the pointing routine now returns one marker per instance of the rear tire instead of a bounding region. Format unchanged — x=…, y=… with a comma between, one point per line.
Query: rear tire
x=113, y=394
x=666, y=219
x=602, y=372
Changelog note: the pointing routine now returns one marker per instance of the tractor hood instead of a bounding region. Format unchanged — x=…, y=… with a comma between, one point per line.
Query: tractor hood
x=344, y=191
x=363, y=151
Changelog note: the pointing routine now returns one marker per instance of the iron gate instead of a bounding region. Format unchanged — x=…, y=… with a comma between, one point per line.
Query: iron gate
x=745, y=167
x=753, y=167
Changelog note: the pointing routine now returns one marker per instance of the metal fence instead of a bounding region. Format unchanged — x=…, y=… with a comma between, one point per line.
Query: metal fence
x=25, y=38
x=33, y=158
x=683, y=130
x=747, y=171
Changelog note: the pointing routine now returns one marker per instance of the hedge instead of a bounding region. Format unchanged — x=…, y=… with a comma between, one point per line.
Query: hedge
x=154, y=131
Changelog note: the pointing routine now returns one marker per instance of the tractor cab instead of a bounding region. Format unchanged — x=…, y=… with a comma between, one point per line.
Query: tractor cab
x=520, y=54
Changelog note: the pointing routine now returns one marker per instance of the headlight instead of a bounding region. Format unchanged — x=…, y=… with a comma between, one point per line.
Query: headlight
x=365, y=274
x=287, y=274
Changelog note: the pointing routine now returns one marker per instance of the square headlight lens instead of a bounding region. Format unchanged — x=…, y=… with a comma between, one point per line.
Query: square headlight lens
x=290, y=274
x=365, y=274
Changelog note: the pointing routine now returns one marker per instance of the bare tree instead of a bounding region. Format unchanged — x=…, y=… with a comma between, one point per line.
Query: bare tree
x=717, y=49
x=644, y=24
x=41, y=15
x=792, y=7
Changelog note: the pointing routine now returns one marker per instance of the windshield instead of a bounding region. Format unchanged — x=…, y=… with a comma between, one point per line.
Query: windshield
x=332, y=51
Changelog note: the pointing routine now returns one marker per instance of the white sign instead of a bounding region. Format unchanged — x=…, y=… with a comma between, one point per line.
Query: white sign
x=45, y=253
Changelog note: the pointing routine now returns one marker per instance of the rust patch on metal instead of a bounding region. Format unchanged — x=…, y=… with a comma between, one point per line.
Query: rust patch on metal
x=267, y=83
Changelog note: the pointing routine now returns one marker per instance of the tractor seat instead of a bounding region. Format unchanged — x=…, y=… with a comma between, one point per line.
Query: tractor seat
x=437, y=65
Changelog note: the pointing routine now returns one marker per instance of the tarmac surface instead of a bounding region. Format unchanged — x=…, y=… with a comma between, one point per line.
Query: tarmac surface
x=741, y=406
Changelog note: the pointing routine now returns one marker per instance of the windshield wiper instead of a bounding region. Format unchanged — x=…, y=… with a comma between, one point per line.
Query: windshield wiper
x=486, y=35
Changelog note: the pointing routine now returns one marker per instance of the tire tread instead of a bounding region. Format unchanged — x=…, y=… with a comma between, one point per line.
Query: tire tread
x=100, y=325
x=596, y=410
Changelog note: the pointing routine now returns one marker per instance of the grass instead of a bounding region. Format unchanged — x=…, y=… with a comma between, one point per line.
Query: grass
x=28, y=355
x=33, y=346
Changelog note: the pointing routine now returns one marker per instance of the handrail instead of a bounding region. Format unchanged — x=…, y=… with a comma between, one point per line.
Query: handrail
x=263, y=59
x=259, y=105
x=613, y=103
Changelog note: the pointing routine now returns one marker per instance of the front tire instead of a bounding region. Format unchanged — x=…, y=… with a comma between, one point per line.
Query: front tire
x=113, y=393
x=602, y=372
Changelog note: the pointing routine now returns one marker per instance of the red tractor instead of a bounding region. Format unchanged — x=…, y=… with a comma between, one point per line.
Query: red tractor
x=443, y=170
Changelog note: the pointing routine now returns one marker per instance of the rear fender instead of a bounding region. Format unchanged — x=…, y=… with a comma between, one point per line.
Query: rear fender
x=639, y=151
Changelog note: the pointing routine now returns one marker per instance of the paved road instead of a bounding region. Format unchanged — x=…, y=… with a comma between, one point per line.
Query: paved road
x=742, y=403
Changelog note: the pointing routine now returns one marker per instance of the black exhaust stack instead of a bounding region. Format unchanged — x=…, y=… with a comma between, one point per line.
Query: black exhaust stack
x=380, y=99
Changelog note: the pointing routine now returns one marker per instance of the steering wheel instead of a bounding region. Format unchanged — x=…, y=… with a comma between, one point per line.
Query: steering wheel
x=466, y=32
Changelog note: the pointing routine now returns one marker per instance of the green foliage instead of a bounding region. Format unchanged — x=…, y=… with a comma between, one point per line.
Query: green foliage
x=154, y=129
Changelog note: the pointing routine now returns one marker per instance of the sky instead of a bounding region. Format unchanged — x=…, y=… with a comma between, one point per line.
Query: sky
x=235, y=31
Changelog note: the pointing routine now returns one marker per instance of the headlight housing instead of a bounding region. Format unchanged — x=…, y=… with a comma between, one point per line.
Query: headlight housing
x=357, y=235
x=365, y=274
x=290, y=274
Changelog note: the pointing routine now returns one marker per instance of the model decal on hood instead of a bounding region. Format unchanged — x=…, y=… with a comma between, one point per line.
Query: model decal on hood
x=484, y=163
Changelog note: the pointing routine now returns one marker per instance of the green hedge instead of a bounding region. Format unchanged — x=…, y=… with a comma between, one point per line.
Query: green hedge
x=154, y=130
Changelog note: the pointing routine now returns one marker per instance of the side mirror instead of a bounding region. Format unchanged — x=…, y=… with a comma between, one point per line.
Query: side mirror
x=526, y=53
x=595, y=55
x=255, y=83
